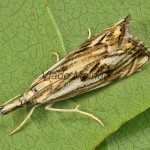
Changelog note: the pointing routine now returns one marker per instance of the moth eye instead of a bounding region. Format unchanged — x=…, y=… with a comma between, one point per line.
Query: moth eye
x=35, y=90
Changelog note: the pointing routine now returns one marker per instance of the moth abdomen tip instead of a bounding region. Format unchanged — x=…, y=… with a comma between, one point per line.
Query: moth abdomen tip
x=128, y=17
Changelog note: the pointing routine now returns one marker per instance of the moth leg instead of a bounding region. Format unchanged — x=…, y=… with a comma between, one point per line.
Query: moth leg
x=12, y=99
x=76, y=110
x=57, y=56
x=24, y=121
x=89, y=33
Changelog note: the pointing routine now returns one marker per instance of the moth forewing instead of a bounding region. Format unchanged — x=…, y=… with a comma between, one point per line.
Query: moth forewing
x=103, y=58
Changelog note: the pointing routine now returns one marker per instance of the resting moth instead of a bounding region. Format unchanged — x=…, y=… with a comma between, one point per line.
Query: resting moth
x=102, y=59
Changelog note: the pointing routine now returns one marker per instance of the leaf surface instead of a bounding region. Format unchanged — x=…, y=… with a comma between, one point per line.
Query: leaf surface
x=134, y=135
x=29, y=32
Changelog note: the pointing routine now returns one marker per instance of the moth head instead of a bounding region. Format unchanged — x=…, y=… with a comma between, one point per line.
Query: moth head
x=38, y=92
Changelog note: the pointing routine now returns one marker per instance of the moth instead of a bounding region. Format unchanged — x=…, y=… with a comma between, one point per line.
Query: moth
x=102, y=59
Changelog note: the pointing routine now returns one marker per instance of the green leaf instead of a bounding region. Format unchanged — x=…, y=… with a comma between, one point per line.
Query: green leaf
x=132, y=136
x=29, y=32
